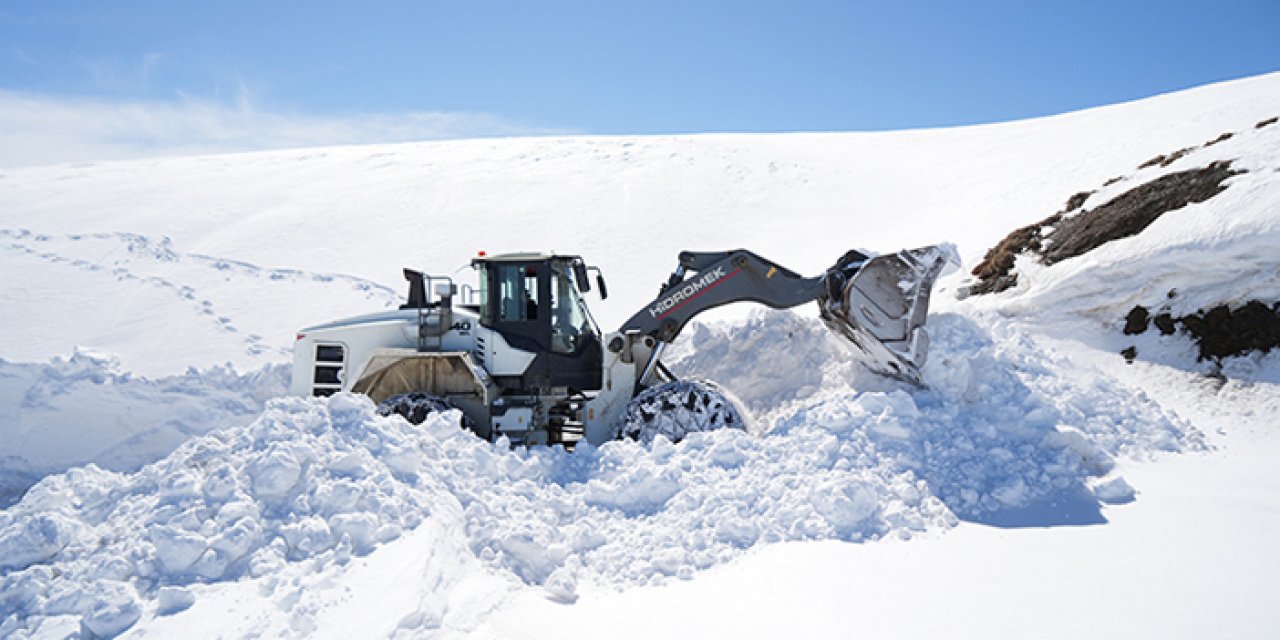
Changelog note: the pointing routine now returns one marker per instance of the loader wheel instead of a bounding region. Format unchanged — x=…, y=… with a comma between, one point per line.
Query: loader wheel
x=676, y=409
x=414, y=407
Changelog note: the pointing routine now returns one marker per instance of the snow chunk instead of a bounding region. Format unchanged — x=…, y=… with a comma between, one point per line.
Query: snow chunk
x=115, y=608
x=562, y=585
x=643, y=489
x=1114, y=491
x=176, y=549
x=844, y=505
x=33, y=538
x=276, y=473
x=171, y=600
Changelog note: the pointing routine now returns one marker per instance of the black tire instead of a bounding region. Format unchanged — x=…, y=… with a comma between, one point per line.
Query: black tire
x=676, y=409
x=414, y=407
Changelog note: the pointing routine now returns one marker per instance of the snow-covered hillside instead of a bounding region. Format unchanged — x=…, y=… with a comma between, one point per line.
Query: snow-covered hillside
x=199, y=261
x=150, y=306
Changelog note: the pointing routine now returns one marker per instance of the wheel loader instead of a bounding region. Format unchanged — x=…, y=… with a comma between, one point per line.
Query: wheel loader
x=521, y=357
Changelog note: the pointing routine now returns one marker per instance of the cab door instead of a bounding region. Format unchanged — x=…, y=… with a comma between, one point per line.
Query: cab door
x=521, y=305
x=517, y=292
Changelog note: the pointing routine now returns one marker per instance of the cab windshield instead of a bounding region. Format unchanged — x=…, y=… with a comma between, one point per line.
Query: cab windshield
x=570, y=319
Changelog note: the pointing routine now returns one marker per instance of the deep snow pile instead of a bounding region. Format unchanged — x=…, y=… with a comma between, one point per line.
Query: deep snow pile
x=85, y=408
x=306, y=479
x=321, y=479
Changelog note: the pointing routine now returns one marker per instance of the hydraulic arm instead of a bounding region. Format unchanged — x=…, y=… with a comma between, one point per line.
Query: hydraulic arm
x=879, y=304
x=704, y=281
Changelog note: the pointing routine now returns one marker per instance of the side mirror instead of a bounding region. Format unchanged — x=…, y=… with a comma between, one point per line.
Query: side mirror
x=580, y=274
x=604, y=291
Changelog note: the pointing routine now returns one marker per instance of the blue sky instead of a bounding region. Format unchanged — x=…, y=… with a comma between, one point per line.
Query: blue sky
x=222, y=74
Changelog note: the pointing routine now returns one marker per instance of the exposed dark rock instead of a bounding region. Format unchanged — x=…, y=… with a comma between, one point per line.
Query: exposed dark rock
x=1134, y=210
x=995, y=272
x=1220, y=332
x=1156, y=161
x=1123, y=216
x=1222, y=138
x=1137, y=321
x=1078, y=199
x=1173, y=157
x=1166, y=160
x=1112, y=181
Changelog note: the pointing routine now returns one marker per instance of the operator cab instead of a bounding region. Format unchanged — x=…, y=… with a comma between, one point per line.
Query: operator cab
x=535, y=302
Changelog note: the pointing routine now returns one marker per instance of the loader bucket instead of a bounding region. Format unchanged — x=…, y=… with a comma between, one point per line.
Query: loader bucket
x=880, y=305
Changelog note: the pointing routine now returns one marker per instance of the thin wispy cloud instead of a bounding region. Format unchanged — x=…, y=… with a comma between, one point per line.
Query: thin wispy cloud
x=37, y=129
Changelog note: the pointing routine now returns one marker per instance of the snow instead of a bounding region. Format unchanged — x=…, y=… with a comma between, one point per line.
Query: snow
x=111, y=417
x=158, y=484
x=1191, y=558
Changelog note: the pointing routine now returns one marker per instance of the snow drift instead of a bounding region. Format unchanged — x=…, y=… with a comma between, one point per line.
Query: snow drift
x=322, y=480
x=85, y=408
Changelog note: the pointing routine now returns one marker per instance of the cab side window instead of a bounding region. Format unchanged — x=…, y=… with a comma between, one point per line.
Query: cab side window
x=531, y=293
x=517, y=292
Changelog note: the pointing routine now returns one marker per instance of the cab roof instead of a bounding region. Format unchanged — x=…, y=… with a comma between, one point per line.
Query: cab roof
x=523, y=256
